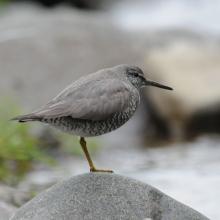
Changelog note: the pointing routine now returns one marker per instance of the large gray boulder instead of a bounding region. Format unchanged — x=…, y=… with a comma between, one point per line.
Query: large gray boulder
x=104, y=196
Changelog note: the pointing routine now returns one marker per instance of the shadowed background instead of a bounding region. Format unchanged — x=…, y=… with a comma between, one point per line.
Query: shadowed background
x=172, y=142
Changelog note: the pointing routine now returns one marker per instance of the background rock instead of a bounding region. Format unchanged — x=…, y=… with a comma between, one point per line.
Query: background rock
x=6, y=210
x=10, y=200
x=193, y=71
x=104, y=196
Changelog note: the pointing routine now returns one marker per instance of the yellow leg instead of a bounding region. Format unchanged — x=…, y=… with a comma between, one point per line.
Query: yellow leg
x=92, y=167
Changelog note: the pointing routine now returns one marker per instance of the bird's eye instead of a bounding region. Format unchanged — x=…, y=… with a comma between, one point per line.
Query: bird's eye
x=136, y=74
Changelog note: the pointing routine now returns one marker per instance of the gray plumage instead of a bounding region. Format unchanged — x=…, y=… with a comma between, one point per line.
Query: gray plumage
x=95, y=104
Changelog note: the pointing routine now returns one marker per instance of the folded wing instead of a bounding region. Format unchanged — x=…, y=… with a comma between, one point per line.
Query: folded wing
x=93, y=100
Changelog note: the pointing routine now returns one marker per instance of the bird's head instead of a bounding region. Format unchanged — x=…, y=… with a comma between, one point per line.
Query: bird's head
x=137, y=78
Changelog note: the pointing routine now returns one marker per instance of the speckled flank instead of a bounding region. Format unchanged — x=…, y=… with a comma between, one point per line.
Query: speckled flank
x=90, y=128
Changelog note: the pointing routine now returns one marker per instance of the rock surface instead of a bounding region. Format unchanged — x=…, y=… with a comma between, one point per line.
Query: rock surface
x=104, y=196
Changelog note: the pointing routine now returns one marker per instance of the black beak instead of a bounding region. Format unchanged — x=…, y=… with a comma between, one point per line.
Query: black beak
x=149, y=82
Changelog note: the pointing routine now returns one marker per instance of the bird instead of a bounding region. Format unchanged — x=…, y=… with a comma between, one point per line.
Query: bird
x=94, y=104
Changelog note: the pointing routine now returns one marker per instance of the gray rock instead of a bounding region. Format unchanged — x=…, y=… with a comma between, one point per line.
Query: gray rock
x=104, y=196
x=10, y=200
x=6, y=210
x=14, y=196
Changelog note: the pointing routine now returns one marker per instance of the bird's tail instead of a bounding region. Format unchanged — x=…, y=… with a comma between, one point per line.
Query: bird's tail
x=26, y=118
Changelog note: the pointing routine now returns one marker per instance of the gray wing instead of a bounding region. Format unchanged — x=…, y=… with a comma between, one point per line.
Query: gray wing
x=95, y=100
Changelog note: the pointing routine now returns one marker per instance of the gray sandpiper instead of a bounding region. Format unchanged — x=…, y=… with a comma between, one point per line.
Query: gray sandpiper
x=95, y=104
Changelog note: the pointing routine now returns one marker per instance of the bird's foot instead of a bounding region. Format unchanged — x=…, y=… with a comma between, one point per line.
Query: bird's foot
x=93, y=169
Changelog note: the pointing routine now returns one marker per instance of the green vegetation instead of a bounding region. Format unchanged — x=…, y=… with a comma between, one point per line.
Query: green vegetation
x=2, y=2
x=18, y=148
